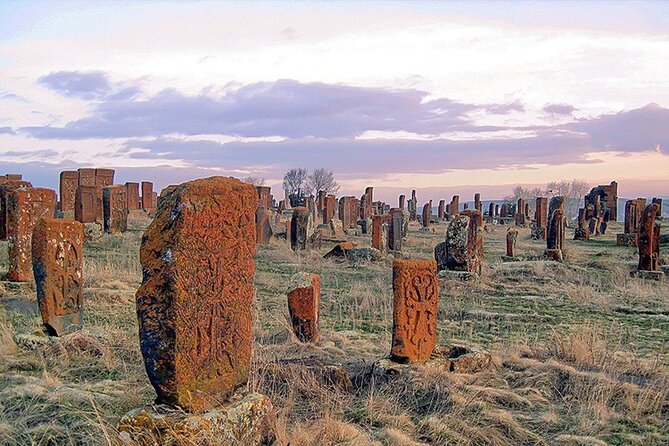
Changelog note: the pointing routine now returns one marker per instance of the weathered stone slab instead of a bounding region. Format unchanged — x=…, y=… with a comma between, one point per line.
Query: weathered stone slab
x=5, y=189
x=58, y=261
x=415, y=307
x=304, y=299
x=147, y=196
x=114, y=202
x=132, y=194
x=264, y=231
x=69, y=181
x=25, y=207
x=86, y=204
x=380, y=231
x=195, y=303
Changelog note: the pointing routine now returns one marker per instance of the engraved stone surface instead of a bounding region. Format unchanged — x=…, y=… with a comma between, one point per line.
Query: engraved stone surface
x=86, y=203
x=69, y=180
x=132, y=193
x=114, y=202
x=263, y=227
x=5, y=189
x=57, y=257
x=380, y=231
x=415, y=307
x=304, y=299
x=25, y=207
x=147, y=196
x=649, y=239
x=195, y=303
x=511, y=238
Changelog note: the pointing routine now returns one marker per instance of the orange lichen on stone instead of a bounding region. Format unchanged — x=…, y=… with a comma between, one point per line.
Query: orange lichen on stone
x=25, y=207
x=195, y=303
x=380, y=224
x=58, y=261
x=115, y=209
x=304, y=298
x=415, y=306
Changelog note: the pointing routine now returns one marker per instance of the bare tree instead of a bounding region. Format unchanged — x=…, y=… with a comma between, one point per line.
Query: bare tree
x=256, y=181
x=294, y=181
x=322, y=179
x=529, y=195
x=573, y=191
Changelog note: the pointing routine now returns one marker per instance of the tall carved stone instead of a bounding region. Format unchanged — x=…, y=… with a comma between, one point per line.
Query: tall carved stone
x=132, y=194
x=195, y=303
x=396, y=229
x=540, y=219
x=463, y=248
x=104, y=177
x=86, y=203
x=264, y=196
x=299, y=225
x=264, y=231
x=58, y=260
x=556, y=230
x=582, y=232
x=477, y=202
x=401, y=203
x=649, y=239
x=5, y=189
x=415, y=307
x=454, y=206
x=380, y=230
x=147, y=196
x=441, y=210
x=86, y=176
x=520, y=217
x=511, y=238
x=69, y=181
x=491, y=212
x=426, y=215
x=115, y=210
x=25, y=207
x=329, y=209
x=304, y=299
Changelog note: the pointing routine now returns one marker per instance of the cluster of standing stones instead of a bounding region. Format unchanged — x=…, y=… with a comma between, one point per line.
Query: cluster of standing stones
x=194, y=305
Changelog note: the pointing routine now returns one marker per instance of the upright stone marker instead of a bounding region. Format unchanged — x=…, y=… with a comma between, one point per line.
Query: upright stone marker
x=114, y=203
x=380, y=230
x=85, y=209
x=25, y=207
x=540, y=219
x=86, y=177
x=415, y=307
x=58, y=261
x=511, y=238
x=195, y=303
x=396, y=229
x=132, y=193
x=5, y=189
x=304, y=299
x=427, y=213
x=147, y=196
x=649, y=239
x=69, y=181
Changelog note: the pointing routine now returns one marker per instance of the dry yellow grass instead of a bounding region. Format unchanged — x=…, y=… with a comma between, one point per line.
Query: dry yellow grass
x=580, y=353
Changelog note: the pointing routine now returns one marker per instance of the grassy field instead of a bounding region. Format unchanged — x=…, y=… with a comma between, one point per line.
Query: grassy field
x=581, y=352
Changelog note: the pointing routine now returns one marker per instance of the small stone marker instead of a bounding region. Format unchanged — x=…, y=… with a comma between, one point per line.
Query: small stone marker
x=57, y=259
x=415, y=307
x=380, y=230
x=25, y=207
x=304, y=298
x=511, y=238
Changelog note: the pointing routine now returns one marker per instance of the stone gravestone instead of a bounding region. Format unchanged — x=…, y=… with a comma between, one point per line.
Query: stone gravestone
x=132, y=193
x=5, y=190
x=304, y=298
x=69, y=181
x=85, y=209
x=264, y=231
x=631, y=229
x=477, y=202
x=582, y=232
x=25, y=207
x=425, y=217
x=380, y=232
x=195, y=313
x=649, y=241
x=556, y=230
x=58, y=261
x=540, y=219
x=463, y=248
x=147, y=196
x=114, y=202
x=86, y=177
x=396, y=229
x=415, y=307
x=511, y=238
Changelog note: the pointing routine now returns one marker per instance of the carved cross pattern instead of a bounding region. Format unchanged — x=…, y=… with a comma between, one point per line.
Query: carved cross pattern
x=65, y=295
x=419, y=309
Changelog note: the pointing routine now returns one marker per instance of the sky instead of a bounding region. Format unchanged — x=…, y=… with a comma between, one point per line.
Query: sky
x=442, y=97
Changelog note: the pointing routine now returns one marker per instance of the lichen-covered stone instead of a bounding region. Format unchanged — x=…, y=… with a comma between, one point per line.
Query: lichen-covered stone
x=511, y=238
x=5, y=189
x=264, y=231
x=380, y=229
x=304, y=299
x=69, y=181
x=248, y=420
x=649, y=239
x=25, y=207
x=115, y=209
x=58, y=260
x=415, y=307
x=195, y=303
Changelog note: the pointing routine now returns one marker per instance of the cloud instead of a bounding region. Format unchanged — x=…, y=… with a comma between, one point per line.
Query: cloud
x=7, y=131
x=45, y=153
x=285, y=108
x=559, y=109
x=87, y=85
x=503, y=109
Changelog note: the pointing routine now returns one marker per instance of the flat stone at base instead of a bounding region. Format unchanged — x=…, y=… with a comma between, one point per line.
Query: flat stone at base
x=450, y=358
x=92, y=231
x=648, y=275
x=512, y=259
x=463, y=276
x=554, y=254
x=27, y=308
x=11, y=288
x=247, y=421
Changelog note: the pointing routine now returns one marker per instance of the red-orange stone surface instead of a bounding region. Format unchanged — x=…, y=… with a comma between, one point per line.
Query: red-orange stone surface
x=132, y=192
x=380, y=224
x=25, y=207
x=57, y=256
x=304, y=299
x=195, y=303
x=415, y=306
x=115, y=209
x=147, y=196
x=5, y=188
x=86, y=204
x=69, y=180
x=649, y=239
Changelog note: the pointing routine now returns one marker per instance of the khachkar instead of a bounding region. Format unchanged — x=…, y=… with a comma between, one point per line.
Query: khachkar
x=649, y=243
x=415, y=307
x=6, y=187
x=115, y=209
x=462, y=251
x=633, y=211
x=381, y=232
x=195, y=313
x=511, y=238
x=302, y=232
x=477, y=202
x=58, y=260
x=520, y=218
x=441, y=210
x=396, y=231
x=304, y=299
x=132, y=194
x=582, y=232
x=454, y=206
x=366, y=204
x=539, y=229
x=556, y=230
x=25, y=207
x=426, y=216
x=608, y=199
x=264, y=231
x=69, y=181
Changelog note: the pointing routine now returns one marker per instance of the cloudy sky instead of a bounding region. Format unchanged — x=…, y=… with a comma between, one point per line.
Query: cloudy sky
x=442, y=97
